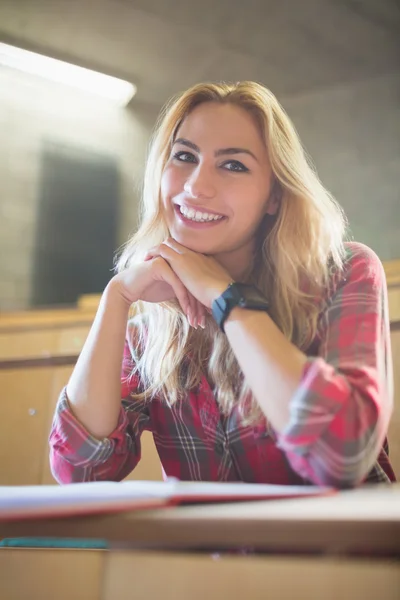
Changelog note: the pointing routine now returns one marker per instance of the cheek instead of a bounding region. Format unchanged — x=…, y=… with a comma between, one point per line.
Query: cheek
x=171, y=184
x=165, y=186
x=249, y=203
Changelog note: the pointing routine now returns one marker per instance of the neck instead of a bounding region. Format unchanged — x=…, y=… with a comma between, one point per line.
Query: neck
x=238, y=262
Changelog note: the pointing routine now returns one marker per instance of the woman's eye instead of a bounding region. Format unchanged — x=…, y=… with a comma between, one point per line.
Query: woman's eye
x=235, y=165
x=185, y=156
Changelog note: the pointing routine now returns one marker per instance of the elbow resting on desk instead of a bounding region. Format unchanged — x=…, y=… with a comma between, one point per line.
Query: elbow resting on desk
x=335, y=443
x=322, y=466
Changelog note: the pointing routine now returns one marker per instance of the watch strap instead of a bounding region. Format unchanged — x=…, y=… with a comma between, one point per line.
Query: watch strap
x=237, y=294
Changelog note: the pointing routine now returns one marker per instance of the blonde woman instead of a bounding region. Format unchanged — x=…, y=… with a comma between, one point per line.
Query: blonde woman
x=259, y=348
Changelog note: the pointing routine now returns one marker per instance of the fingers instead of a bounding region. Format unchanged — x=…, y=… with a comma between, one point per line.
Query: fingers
x=200, y=314
x=152, y=253
x=192, y=308
x=197, y=314
x=195, y=310
x=165, y=250
x=192, y=313
x=174, y=245
x=168, y=250
x=203, y=316
x=181, y=293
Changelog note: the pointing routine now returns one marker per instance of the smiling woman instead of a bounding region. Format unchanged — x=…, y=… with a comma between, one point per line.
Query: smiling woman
x=259, y=347
x=225, y=174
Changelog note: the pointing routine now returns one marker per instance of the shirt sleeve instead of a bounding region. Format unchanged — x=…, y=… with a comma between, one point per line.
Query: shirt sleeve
x=77, y=456
x=341, y=410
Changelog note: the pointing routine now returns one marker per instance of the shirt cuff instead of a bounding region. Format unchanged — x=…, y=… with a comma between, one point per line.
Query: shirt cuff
x=70, y=438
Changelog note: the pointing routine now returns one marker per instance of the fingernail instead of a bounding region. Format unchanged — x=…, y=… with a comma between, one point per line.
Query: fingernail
x=203, y=322
x=192, y=319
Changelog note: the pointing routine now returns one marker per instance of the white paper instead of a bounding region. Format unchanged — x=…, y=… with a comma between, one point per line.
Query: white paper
x=53, y=498
x=86, y=497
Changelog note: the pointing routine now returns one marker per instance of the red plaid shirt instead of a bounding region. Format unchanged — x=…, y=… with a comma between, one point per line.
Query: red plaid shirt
x=339, y=414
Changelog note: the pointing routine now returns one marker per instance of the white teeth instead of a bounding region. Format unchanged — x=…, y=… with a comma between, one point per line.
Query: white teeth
x=195, y=215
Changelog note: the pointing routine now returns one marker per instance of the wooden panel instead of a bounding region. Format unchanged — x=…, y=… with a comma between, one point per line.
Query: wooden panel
x=392, y=271
x=71, y=340
x=96, y=574
x=394, y=304
x=43, y=343
x=34, y=319
x=394, y=428
x=149, y=467
x=23, y=418
x=194, y=576
x=51, y=574
x=28, y=344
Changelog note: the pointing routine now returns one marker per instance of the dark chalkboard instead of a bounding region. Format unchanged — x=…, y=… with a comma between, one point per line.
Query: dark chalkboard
x=76, y=232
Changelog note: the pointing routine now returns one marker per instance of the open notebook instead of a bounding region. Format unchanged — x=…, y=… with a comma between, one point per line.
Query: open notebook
x=49, y=501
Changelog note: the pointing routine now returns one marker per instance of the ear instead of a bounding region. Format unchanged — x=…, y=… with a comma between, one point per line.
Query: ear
x=274, y=200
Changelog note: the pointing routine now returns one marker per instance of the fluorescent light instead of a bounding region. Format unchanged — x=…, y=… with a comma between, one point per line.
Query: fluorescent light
x=118, y=90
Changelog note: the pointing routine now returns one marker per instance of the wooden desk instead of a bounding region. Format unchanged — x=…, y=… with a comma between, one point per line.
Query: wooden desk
x=329, y=532
x=349, y=521
x=140, y=575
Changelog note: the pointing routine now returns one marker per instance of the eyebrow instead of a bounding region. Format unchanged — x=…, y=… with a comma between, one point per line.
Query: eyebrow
x=221, y=152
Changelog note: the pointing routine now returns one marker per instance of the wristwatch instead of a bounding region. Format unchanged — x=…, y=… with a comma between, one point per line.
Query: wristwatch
x=237, y=294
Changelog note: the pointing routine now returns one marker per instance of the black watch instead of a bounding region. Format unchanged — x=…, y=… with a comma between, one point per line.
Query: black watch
x=237, y=294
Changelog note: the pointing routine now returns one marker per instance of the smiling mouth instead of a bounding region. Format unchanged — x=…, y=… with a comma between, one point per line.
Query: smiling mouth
x=198, y=216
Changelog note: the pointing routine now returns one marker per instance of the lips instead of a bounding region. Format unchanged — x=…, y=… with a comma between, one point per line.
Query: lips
x=199, y=209
x=198, y=224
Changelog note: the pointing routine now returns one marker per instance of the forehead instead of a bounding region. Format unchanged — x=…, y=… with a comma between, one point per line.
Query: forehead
x=221, y=126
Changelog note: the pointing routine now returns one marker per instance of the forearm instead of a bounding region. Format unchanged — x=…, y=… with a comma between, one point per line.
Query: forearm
x=94, y=389
x=271, y=364
x=331, y=422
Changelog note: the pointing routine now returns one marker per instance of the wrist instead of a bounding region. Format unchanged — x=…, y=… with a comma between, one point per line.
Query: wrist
x=114, y=295
x=238, y=314
x=238, y=295
x=219, y=289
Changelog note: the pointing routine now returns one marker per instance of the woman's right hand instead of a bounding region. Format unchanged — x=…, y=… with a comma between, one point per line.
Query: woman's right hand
x=155, y=281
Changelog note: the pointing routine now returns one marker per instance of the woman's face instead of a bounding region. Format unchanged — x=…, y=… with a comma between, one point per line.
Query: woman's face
x=216, y=184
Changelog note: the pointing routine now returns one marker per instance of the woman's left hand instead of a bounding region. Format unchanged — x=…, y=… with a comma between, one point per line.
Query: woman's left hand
x=202, y=275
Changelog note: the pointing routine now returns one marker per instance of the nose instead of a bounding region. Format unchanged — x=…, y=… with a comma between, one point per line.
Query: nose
x=200, y=185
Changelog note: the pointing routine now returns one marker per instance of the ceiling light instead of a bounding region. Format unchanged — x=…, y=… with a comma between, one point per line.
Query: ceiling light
x=114, y=89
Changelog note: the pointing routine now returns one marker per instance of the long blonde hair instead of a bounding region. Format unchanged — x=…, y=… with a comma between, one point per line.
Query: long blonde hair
x=296, y=251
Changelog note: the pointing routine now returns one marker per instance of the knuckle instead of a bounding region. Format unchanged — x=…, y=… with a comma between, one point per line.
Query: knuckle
x=157, y=263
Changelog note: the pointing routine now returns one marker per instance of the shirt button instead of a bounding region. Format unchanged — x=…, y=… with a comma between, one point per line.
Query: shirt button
x=219, y=448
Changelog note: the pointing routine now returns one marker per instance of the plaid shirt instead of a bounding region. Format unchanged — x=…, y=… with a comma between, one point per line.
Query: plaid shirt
x=339, y=414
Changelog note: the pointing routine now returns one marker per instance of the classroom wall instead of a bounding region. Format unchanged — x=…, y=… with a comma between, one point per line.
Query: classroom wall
x=352, y=132
x=34, y=118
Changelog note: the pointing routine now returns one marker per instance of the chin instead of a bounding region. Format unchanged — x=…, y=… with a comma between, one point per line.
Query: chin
x=202, y=246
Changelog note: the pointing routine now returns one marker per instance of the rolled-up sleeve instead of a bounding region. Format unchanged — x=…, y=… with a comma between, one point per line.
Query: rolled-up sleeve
x=76, y=456
x=341, y=410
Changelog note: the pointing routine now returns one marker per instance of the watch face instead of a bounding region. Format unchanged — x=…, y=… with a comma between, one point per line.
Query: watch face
x=249, y=296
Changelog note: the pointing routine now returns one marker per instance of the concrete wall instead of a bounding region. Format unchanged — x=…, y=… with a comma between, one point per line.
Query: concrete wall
x=353, y=135
x=32, y=113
